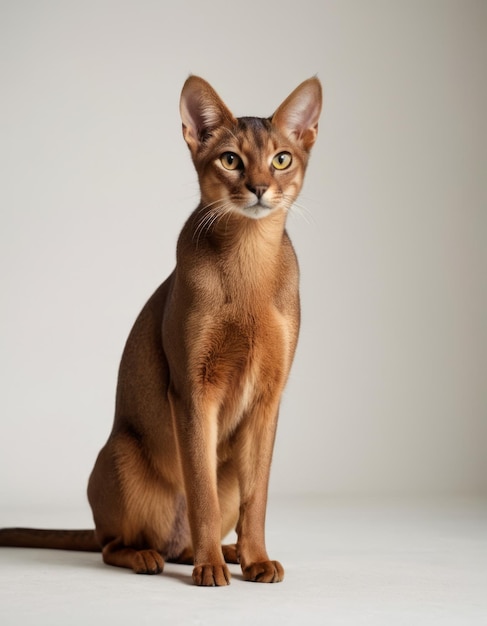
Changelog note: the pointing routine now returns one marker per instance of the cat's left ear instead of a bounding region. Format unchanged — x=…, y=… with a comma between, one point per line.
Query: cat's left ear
x=202, y=111
x=297, y=117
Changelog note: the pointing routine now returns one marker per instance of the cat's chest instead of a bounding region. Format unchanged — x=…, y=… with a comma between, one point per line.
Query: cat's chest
x=256, y=370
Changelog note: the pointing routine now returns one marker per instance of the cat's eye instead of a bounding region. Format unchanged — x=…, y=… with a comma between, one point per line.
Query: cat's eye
x=231, y=161
x=282, y=160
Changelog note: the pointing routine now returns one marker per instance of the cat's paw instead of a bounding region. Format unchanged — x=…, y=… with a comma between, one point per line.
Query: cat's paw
x=208, y=575
x=230, y=553
x=147, y=562
x=264, y=572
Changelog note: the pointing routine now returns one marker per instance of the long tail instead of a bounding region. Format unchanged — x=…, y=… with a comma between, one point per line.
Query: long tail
x=79, y=540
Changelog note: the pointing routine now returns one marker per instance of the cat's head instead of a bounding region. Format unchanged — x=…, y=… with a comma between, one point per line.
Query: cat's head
x=249, y=165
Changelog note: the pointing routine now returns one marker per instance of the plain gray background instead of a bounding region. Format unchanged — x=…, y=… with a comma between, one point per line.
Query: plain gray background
x=388, y=390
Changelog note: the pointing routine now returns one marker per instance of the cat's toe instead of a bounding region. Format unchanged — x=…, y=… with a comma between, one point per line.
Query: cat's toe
x=230, y=553
x=148, y=562
x=208, y=575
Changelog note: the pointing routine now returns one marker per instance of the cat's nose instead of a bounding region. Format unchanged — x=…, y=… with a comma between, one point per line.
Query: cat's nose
x=259, y=190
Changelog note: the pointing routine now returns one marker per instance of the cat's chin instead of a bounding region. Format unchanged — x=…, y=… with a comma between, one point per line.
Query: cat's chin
x=256, y=212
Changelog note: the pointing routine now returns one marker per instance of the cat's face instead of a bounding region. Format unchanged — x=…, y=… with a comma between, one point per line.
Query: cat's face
x=249, y=166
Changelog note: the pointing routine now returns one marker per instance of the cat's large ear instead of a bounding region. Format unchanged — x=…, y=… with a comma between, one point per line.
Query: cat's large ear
x=297, y=117
x=202, y=110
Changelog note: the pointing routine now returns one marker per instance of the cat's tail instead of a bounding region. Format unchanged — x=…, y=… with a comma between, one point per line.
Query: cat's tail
x=79, y=540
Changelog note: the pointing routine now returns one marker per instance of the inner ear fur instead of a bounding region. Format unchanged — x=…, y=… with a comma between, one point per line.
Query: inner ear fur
x=297, y=117
x=202, y=110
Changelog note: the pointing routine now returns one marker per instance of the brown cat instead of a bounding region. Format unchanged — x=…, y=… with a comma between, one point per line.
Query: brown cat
x=205, y=364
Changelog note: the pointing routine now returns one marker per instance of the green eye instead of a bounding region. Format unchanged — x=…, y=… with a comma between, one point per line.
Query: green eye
x=282, y=160
x=231, y=161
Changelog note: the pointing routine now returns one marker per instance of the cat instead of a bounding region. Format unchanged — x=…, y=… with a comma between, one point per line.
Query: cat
x=205, y=364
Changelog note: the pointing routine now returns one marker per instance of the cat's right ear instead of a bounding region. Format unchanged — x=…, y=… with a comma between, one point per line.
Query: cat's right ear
x=202, y=110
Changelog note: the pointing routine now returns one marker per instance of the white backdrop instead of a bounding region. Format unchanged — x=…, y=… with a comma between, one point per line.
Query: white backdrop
x=388, y=390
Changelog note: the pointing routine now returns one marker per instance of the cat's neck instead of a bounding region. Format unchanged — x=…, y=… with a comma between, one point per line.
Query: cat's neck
x=237, y=237
x=246, y=253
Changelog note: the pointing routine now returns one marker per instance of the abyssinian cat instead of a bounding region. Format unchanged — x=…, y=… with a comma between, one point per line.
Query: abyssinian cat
x=203, y=369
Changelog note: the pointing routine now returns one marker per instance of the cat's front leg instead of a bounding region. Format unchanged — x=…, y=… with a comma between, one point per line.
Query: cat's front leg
x=196, y=428
x=254, y=445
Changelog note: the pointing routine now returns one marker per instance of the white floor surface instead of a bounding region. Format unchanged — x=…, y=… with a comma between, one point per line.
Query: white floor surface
x=381, y=562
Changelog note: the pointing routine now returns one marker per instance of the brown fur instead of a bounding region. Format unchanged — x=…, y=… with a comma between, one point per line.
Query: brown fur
x=205, y=364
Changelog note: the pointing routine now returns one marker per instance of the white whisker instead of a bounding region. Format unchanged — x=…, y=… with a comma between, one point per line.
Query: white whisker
x=211, y=214
x=299, y=210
